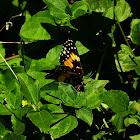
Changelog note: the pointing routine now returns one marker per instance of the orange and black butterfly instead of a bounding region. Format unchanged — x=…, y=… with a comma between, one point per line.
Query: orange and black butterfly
x=70, y=70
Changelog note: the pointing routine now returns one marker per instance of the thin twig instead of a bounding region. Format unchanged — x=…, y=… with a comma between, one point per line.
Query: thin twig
x=10, y=20
x=15, y=56
x=14, y=42
x=9, y=66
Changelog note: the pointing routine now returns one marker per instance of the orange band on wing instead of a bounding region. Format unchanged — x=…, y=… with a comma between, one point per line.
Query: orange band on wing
x=73, y=56
x=68, y=63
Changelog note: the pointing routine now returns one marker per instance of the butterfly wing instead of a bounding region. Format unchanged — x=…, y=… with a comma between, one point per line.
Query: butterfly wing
x=70, y=58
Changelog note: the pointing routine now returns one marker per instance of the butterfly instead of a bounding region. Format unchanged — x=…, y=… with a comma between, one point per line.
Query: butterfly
x=71, y=70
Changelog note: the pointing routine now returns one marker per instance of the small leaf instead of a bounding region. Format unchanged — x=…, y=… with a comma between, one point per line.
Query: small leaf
x=29, y=88
x=63, y=127
x=81, y=48
x=85, y=114
x=41, y=119
x=129, y=121
x=117, y=100
x=123, y=59
x=52, y=57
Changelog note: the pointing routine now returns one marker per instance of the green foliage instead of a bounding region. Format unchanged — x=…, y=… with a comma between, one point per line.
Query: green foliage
x=107, y=37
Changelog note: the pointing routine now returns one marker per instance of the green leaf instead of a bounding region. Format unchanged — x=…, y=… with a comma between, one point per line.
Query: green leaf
x=81, y=48
x=68, y=94
x=135, y=31
x=63, y=127
x=15, y=3
x=2, y=52
x=85, y=114
x=99, y=135
x=3, y=131
x=40, y=76
x=29, y=88
x=58, y=8
x=135, y=137
x=14, y=97
x=52, y=57
x=94, y=90
x=32, y=28
x=117, y=100
x=4, y=110
x=13, y=136
x=122, y=11
x=50, y=98
x=123, y=59
x=99, y=5
x=41, y=119
x=79, y=8
x=17, y=125
x=57, y=111
x=9, y=79
x=117, y=121
x=129, y=121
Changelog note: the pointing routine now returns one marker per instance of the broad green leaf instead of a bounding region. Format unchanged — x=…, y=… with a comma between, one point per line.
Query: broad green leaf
x=41, y=119
x=85, y=114
x=32, y=28
x=58, y=8
x=4, y=110
x=135, y=137
x=68, y=94
x=94, y=90
x=123, y=59
x=63, y=127
x=78, y=9
x=50, y=98
x=14, y=97
x=99, y=5
x=135, y=31
x=40, y=76
x=122, y=11
x=2, y=53
x=81, y=48
x=9, y=79
x=17, y=125
x=29, y=88
x=129, y=121
x=117, y=100
x=52, y=57
x=57, y=111
x=13, y=136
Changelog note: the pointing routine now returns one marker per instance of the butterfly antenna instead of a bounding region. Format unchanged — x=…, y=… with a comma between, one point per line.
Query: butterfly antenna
x=92, y=74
